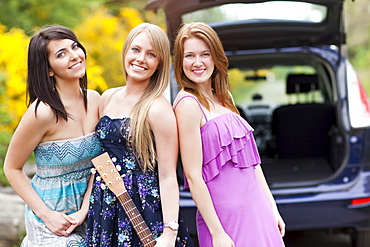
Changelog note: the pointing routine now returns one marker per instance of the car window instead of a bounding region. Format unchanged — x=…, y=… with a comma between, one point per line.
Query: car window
x=269, y=86
x=272, y=11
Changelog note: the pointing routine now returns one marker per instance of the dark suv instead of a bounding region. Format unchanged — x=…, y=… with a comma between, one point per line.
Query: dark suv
x=310, y=113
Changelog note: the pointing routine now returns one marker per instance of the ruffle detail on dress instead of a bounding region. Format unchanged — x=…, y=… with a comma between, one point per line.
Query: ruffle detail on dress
x=227, y=139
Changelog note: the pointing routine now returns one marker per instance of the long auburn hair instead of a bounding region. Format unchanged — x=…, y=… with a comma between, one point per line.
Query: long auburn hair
x=141, y=136
x=219, y=77
x=40, y=86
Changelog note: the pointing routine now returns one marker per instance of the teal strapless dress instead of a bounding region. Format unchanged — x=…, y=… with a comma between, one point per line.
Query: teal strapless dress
x=61, y=179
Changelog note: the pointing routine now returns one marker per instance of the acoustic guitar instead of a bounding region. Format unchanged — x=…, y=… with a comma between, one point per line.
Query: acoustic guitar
x=108, y=172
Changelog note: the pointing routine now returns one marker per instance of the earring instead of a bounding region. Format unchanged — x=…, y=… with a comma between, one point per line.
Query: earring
x=52, y=79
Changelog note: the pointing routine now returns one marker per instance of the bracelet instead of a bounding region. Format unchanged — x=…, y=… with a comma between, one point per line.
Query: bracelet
x=173, y=225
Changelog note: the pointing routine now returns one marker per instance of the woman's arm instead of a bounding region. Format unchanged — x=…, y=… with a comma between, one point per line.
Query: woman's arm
x=93, y=99
x=279, y=219
x=189, y=117
x=80, y=216
x=163, y=123
x=94, y=104
x=27, y=136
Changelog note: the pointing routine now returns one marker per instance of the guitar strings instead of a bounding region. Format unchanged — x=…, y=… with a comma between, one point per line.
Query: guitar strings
x=136, y=219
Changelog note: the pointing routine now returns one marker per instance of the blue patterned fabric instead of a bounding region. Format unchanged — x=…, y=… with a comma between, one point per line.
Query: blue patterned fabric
x=108, y=224
x=61, y=179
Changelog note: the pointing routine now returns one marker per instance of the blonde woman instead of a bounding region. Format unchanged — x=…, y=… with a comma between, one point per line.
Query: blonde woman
x=218, y=152
x=138, y=130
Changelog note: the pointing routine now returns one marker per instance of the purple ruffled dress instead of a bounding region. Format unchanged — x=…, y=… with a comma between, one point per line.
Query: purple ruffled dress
x=229, y=157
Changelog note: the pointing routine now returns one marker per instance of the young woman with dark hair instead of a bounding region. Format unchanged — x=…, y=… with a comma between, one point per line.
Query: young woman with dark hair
x=58, y=127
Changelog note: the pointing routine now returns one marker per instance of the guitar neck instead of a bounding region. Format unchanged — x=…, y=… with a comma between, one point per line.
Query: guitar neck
x=109, y=173
x=141, y=228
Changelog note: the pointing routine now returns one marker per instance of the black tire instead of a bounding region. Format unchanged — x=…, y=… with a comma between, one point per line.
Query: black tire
x=361, y=237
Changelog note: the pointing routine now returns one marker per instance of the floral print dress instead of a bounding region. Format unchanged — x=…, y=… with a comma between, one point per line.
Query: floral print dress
x=108, y=224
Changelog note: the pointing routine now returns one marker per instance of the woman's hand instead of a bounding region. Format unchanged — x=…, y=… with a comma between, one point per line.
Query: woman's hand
x=281, y=226
x=59, y=223
x=78, y=217
x=222, y=240
x=280, y=222
x=167, y=239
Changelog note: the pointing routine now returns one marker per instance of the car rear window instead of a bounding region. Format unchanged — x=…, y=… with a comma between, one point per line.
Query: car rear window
x=270, y=11
x=271, y=85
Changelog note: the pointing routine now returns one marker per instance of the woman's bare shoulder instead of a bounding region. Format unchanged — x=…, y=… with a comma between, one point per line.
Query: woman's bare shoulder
x=159, y=106
x=181, y=94
x=93, y=94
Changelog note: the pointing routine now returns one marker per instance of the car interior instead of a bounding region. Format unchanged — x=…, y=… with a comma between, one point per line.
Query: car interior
x=295, y=124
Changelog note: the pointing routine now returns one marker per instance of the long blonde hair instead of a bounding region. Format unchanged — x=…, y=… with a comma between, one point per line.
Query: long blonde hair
x=220, y=81
x=141, y=138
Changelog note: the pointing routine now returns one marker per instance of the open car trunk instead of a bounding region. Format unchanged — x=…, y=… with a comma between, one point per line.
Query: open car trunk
x=290, y=101
x=315, y=22
x=283, y=72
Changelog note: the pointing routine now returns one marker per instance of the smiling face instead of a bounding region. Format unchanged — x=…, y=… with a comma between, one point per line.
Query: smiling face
x=140, y=60
x=198, y=64
x=66, y=59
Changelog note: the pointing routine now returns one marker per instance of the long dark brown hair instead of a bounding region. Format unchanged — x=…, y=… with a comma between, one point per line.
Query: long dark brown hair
x=40, y=86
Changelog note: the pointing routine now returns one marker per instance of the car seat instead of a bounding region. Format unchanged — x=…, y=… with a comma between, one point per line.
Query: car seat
x=302, y=130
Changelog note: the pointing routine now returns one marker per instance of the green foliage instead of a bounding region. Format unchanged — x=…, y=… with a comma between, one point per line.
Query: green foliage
x=27, y=14
x=12, y=88
x=357, y=24
x=4, y=140
x=13, y=50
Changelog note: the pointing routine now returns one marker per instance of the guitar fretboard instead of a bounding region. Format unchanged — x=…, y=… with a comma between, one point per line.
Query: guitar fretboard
x=137, y=220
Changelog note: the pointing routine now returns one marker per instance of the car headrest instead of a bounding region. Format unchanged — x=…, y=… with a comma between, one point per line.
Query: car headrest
x=301, y=83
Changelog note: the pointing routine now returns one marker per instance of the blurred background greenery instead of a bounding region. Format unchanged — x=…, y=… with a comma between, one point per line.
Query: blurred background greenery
x=102, y=26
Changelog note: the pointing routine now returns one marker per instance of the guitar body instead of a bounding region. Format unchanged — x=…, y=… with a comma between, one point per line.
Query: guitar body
x=108, y=172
